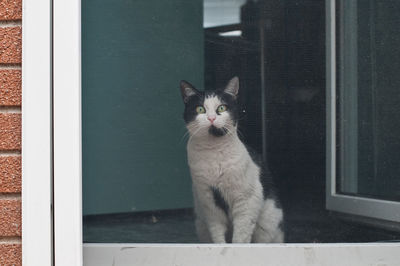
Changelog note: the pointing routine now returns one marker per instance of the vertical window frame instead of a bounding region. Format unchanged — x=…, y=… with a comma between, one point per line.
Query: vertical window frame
x=67, y=120
x=37, y=192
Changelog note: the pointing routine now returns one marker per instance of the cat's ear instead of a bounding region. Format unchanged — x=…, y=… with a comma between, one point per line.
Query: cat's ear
x=233, y=87
x=187, y=90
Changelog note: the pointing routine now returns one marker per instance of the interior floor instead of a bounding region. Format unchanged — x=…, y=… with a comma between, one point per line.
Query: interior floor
x=178, y=227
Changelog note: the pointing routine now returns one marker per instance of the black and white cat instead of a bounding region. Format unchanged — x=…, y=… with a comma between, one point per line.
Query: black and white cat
x=233, y=196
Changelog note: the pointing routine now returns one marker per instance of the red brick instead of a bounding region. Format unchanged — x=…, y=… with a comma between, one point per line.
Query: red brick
x=10, y=45
x=10, y=174
x=10, y=131
x=10, y=254
x=10, y=9
x=10, y=213
x=10, y=87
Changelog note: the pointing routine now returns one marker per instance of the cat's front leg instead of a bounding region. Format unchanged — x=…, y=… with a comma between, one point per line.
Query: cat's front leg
x=245, y=214
x=213, y=216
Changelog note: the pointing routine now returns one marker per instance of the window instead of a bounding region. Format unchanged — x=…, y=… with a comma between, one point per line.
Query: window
x=136, y=182
x=67, y=143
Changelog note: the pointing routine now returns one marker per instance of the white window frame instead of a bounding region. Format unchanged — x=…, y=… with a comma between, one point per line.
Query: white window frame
x=364, y=207
x=67, y=132
x=65, y=75
x=37, y=232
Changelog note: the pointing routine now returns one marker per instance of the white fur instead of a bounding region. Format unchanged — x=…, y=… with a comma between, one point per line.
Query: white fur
x=224, y=163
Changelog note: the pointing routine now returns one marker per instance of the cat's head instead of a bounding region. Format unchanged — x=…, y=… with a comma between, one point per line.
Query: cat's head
x=211, y=113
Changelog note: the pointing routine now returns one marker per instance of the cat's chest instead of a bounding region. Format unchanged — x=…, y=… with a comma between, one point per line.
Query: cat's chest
x=215, y=166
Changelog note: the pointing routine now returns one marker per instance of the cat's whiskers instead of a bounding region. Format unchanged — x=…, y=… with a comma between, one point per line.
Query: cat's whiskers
x=230, y=133
x=194, y=134
x=239, y=132
x=185, y=137
x=187, y=133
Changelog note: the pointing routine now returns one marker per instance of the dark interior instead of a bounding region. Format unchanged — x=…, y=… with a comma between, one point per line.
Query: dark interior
x=281, y=51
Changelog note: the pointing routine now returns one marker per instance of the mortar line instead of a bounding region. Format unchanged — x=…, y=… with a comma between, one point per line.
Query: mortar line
x=10, y=23
x=10, y=109
x=10, y=240
x=10, y=66
x=10, y=196
x=10, y=153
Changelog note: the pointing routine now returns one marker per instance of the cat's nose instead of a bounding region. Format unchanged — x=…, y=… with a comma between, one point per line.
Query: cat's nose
x=211, y=118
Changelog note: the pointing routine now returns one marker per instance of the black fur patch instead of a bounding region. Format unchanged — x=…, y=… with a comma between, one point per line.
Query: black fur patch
x=217, y=132
x=219, y=200
x=266, y=179
x=281, y=226
x=190, y=107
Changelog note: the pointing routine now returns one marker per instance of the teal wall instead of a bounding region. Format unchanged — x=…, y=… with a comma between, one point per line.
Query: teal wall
x=134, y=53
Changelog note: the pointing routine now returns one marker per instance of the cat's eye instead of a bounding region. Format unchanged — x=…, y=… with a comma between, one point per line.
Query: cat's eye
x=200, y=110
x=221, y=108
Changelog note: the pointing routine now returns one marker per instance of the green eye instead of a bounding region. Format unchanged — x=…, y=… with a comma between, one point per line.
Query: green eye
x=200, y=110
x=221, y=108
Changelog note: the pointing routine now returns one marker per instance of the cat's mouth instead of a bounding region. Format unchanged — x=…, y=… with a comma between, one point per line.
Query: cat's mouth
x=217, y=132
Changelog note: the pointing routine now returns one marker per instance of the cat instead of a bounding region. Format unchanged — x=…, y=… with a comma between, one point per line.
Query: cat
x=234, y=199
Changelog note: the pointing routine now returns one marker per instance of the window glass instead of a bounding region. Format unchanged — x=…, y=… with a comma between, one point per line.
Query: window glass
x=137, y=186
x=369, y=120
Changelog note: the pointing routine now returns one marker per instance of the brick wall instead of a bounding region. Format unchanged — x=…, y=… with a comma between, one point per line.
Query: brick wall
x=10, y=131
